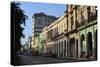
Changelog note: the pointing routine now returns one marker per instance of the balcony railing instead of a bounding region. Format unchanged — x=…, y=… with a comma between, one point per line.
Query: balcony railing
x=92, y=17
x=83, y=22
x=86, y=21
x=76, y=24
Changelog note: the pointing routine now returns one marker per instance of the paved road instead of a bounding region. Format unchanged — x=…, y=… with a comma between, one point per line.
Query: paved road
x=31, y=60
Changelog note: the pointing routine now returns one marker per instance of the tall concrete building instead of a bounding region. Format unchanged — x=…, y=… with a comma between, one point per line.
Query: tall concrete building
x=40, y=20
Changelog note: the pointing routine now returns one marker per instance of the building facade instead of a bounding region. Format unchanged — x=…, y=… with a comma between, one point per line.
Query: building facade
x=73, y=35
x=88, y=31
x=41, y=42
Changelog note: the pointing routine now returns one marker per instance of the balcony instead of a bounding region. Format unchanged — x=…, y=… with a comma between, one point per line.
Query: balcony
x=83, y=22
x=92, y=17
x=76, y=24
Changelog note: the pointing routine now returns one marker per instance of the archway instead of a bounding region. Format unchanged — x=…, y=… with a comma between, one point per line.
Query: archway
x=89, y=44
x=72, y=47
x=82, y=45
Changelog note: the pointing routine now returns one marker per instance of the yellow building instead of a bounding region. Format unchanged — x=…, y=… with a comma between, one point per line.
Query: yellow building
x=63, y=37
x=73, y=35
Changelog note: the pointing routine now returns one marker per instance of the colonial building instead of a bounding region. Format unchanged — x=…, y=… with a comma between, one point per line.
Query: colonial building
x=62, y=35
x=73, y=35
x=87, y=18
x=55, y=37
x=41, y=42
x=40, y=20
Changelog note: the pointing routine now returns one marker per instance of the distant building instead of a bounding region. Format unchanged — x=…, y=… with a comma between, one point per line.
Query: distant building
x=40, y=42
x=40, y=20
x=29, y=41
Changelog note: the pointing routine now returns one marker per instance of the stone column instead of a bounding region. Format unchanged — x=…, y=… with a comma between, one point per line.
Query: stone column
x=86, y=53
x=55, y=48
x=63, y=49
x=93, y=44
x=75, y=49
x=79, y=46
x=66, y=49
x=58, y=49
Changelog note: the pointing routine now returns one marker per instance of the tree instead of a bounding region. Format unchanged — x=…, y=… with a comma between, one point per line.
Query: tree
x=17, y=18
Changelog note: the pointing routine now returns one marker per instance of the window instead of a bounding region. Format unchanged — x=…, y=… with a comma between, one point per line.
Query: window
x=82, y=16
x=72, y=23
x=71, y=6
x=65, y=26
x=89, y=9
x=67, y=23
x=61, y=28
x=83, y=20
x=56, y=31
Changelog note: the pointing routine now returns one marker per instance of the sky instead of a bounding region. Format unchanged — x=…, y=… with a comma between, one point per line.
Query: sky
x=35, y=7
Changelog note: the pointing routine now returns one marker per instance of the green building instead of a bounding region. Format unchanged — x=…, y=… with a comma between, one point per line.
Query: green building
x=40, y=40
x=88, y=35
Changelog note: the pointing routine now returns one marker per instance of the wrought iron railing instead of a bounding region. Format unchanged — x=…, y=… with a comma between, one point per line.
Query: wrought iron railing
x=84, y=21
x=92, y=17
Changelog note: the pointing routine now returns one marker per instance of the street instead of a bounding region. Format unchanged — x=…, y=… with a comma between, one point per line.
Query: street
x=31, y=60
